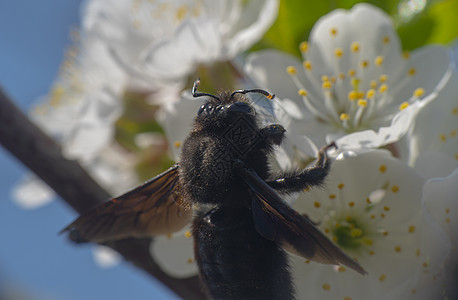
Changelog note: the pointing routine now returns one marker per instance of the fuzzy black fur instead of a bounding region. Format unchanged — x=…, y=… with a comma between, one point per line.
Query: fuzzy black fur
x=235, y=261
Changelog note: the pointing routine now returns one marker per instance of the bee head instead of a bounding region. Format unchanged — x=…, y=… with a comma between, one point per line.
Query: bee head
x=222, y=110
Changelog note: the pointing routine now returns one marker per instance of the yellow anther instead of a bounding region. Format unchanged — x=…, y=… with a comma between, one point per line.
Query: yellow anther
x=291, y=70
x=333, y=31
x=395, y=188
x=302, y=92
x=190, y=260
x=181, y=13
x=370, y=94
x=386, y=208
x=382, y=169
x=332, y=196
x=324, y=78
x=406, y=54
x=326, y=84
x=307, y=65
x=397, y=249
x=304, y=46
x=382, y=278
x=351, y=72
x=355, y=232
x=412, y=71
x=351, y=203
x=316, y=204
x=373, y=84
x=419, y=92
x=341, y=75
x=443, y=137
x=411, y=229
x=364, y=63
x=386, y=39
x=333, y=79
x=455, y=111
x=352, y=95
x=340, y=186
x=355, y=47
x=338, y=52
x=379, y=60
x=371, y=252
x=403, y=105
x=177, y=144
x=344, y=116
x=383, y=78
x=187, y=234
x=362, y=102
x=326, y=286
x=383, y=88
x=367, y=241
x=355, y=82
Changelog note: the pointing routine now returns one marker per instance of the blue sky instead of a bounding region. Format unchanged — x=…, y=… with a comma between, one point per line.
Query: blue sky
x=33, y=258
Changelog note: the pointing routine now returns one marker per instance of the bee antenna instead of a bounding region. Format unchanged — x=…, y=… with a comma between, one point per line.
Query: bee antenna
x=259, y=91
x=195, y=94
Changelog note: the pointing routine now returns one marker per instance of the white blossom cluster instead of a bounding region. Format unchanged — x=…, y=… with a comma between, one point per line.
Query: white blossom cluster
x=390, y=199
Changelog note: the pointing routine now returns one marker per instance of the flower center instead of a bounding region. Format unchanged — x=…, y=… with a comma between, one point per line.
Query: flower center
x=356, y=98
x=350, y=234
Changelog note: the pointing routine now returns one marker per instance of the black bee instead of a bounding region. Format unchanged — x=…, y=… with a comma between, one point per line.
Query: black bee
x=223, y=184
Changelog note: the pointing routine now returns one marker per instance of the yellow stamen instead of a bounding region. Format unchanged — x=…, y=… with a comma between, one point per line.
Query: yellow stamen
x=326, y=84
x=373, y=84
x=364, y=64
x=412, y=71
x=302, y=92
x=383, y=78
x=187, y=234
x=386, y=39
x=353, y=95
x=411, y=229
x=304, y=46
x=351, y=72
x=379, y=60
x=419, y=92
x=177, y=144
x=403, y=105
x=355, y=47
x=383, y=88
x=370, y=94
x=338, y=52
x=307, y=65
x=333, y=31
x=344, y=116
x=362, y=102
x=395, y=189
x=382, y=169
x=326, y=286
x=291, y=70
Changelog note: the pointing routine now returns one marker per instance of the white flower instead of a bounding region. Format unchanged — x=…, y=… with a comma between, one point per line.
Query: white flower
x=79, y=112
x=354, y=84
x=440, y=201
x=175, y=254
x=177, y=119
x=432, y=144
x=371, y=208
x=165, y=40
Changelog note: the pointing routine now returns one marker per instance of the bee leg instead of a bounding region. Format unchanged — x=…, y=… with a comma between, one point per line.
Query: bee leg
x=298, y=180
x=273, y=134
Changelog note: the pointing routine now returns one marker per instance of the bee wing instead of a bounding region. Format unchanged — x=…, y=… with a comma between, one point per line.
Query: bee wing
x=278, y=222
x=155, y=207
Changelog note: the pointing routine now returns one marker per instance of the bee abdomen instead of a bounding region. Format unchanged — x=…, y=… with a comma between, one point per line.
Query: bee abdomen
x=235, y=262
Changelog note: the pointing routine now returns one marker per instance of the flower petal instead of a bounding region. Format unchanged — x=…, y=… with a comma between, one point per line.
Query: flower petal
x=174, y=254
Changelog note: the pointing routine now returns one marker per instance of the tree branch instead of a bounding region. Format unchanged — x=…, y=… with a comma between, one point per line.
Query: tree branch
x=73, y=184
